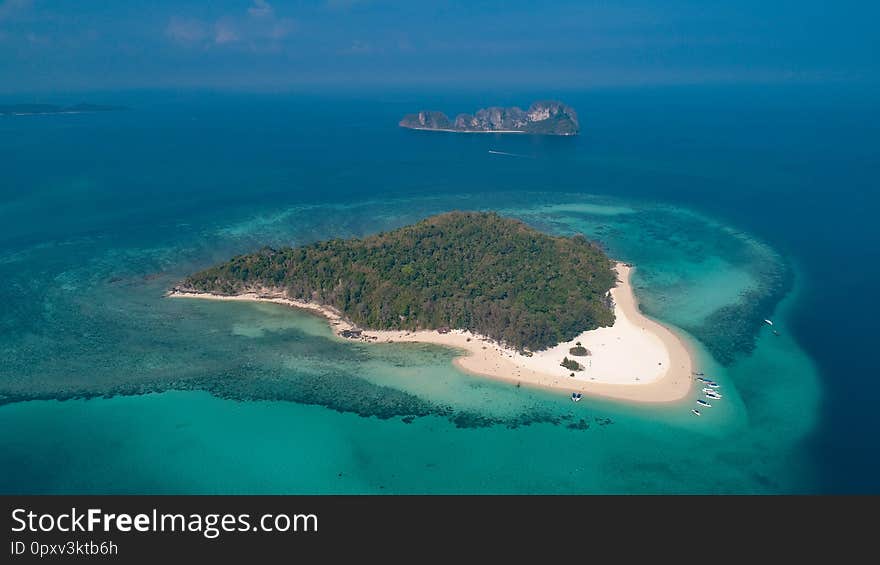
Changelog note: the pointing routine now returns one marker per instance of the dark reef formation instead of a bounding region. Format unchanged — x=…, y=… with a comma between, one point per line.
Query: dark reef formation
x=731, y=332
x=341, y=393
x=542, y=118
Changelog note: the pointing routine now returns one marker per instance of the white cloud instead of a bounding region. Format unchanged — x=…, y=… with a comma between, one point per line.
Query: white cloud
x=224, y=32
x=186, y=30
x=261, y=9
x=260, y=29
x=282, y=28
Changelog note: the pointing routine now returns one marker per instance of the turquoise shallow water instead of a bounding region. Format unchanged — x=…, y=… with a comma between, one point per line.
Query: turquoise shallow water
x=300, y=412
x=730, y=217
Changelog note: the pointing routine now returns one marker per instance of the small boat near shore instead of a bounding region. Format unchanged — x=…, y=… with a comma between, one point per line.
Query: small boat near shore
x=695, y=412
x=768, y=322
x=713, y=395
x=702, y=402
x=713, y=384
x=576, y=397
x=705, y=380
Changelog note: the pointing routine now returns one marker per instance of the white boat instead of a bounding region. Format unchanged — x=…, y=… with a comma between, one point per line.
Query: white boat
x=768, y=322
x=705, y=380
x=713, y=384
x=695, y=412
x=702, y=402
x=713, y=395
x=707, y=390
x=575, y=397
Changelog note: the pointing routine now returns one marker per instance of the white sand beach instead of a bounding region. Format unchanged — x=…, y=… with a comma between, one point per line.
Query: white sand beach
x=636, y=359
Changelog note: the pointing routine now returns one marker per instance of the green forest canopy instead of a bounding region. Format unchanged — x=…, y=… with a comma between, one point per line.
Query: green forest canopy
x=470, y=270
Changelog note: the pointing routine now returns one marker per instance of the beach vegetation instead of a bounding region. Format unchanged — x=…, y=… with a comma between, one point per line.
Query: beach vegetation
x=476, y=271
x=571, y=364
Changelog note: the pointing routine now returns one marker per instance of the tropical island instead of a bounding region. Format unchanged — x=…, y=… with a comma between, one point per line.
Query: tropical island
x=542, y=118
x=521, y=303
x=40, y=109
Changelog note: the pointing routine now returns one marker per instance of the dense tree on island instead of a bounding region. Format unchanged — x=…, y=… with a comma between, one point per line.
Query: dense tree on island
x=479, y=271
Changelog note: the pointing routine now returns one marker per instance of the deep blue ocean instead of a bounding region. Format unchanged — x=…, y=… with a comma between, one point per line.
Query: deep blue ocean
x=736, y=203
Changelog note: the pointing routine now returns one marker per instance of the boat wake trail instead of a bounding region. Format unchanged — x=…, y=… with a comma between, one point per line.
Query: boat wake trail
x=505, y=153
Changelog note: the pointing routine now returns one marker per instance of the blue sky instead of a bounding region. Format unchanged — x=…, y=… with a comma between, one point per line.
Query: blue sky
x=267, y=44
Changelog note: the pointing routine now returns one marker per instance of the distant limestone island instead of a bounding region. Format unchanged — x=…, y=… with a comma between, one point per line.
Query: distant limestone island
x=524, y=306
x=41, y=109
x=542, y=118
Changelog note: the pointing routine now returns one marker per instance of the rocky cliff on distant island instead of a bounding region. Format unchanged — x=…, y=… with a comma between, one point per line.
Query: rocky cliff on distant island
x=543, y=118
